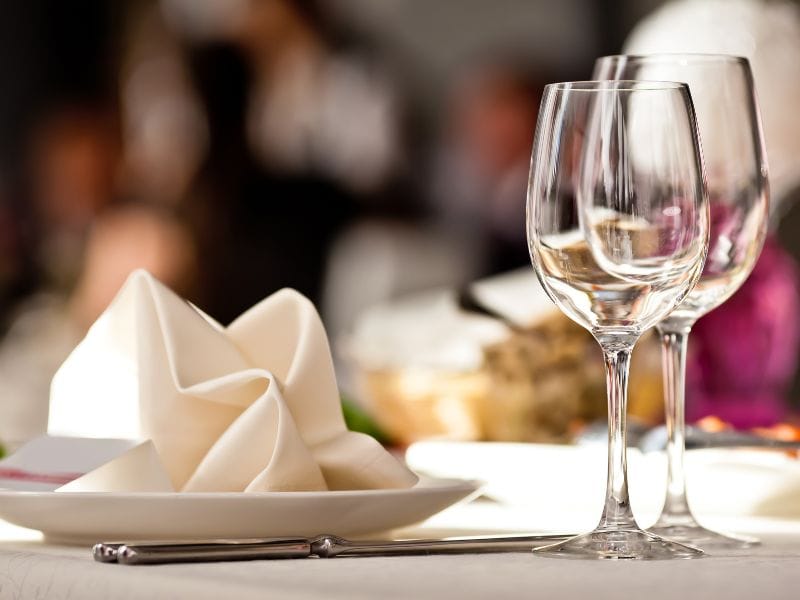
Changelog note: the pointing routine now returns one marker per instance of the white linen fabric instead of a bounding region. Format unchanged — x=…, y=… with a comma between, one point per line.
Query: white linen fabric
x=250, y=407
x=35, y=570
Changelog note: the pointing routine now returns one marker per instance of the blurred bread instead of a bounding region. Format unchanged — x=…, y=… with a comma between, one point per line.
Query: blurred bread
x=425, y=368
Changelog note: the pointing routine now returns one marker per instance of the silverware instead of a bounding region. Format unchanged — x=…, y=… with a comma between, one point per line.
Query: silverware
x=467, y=301
x=650, y=440
x=322, y=546
x=151, y=553
x=696, y=438
x=329, y=546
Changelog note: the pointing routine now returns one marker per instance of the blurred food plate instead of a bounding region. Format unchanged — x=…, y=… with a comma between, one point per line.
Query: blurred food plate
x=565, y=481
x=425, y=367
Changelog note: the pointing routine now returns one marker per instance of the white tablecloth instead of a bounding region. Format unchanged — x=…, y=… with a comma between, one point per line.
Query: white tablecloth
x=29, y=568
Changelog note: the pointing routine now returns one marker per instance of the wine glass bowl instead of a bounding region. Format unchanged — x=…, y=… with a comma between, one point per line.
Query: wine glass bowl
x=736, y=173
x=618, y=238
x=734, y=158
x=617, y=227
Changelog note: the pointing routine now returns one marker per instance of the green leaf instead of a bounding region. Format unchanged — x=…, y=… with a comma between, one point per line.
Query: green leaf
x=358, y=420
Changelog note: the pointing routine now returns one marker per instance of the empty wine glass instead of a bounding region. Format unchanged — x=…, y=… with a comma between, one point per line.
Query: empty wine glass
x=618, y=230
x=736, y=172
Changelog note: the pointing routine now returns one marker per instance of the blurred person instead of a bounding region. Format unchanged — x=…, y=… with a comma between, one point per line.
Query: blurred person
x=71, y=177
x=258, y=229
x=16, y=262
x=478, y=180
x=65, y=176
x=267, y=135
x=313, y=106
x=49, y=325
x=744, y=354
x=164, y=129
x=57, y=138
x=481, y=172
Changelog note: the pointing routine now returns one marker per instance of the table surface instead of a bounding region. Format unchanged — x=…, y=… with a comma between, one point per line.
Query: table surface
x=30, y=568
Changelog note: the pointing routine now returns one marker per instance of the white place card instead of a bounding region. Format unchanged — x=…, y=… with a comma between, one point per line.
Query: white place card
x=47, y=463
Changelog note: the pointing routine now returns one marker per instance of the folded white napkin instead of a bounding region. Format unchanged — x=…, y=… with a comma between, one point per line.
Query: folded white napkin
x=250, y=407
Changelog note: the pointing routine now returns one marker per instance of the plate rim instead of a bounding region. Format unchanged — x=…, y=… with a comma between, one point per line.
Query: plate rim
x=425, y=484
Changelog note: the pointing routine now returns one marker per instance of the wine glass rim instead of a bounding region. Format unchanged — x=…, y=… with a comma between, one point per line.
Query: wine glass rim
x=688, y=56
x=620, y=85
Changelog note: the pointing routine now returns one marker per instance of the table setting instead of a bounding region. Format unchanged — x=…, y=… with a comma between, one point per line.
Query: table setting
x=172, y=439
x=252, y=466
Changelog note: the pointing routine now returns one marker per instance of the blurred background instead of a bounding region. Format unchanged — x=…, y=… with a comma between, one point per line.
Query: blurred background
x=360, y=151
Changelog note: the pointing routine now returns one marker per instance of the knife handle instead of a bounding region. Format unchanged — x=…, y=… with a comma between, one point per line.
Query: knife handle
x=132, y=554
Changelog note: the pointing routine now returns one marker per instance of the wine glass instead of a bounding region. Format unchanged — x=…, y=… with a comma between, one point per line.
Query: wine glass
x=736, y=173
x=617, y=221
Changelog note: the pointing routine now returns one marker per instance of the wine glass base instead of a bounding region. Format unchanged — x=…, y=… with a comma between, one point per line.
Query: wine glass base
x=619, y=544
x=697, y=535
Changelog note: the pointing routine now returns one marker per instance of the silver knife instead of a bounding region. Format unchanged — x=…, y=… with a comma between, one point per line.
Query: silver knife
x=150, y=553
x=322, y=546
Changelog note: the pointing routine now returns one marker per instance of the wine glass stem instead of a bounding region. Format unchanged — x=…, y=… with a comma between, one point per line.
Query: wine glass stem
x=674, y=339
x=617, y=513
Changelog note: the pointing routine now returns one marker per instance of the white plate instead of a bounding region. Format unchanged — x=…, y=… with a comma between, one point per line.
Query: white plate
x=552, y=480
x=90, y=517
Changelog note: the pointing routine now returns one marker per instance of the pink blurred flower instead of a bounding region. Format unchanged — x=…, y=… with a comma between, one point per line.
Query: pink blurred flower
x=743, y=355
